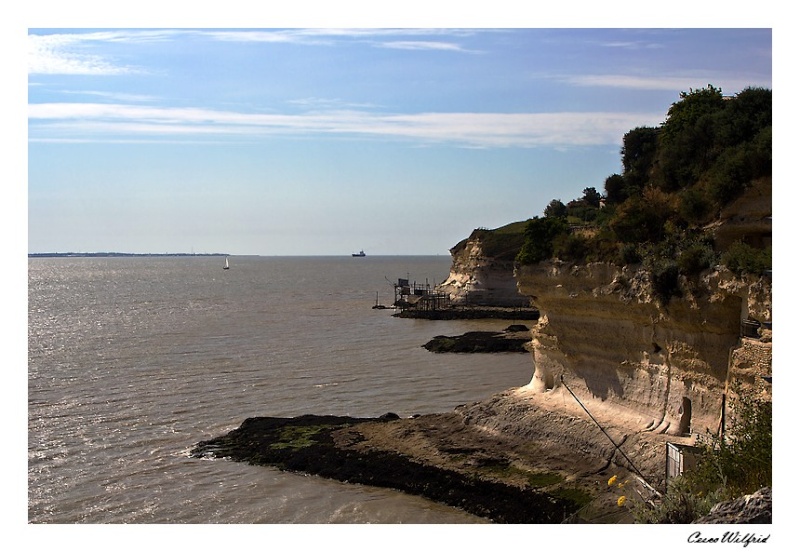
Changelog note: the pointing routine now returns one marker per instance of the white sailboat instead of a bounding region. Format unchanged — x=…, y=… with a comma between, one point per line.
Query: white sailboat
x=227, y=266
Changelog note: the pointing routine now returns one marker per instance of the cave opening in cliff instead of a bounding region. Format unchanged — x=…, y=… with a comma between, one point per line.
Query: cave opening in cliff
x=684, y=426
x=656, y=347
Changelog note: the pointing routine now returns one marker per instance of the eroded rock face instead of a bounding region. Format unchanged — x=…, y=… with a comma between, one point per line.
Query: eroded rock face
x=752, y=508
x=477, y=279
x=663, y=367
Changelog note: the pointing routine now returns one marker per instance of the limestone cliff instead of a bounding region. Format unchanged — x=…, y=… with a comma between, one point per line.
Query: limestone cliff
x=661, y=368
x=482, y=271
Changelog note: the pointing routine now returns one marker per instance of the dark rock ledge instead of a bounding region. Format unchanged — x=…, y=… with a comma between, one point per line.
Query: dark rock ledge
x=324, y=446
x=462, y=312
x=511, y=340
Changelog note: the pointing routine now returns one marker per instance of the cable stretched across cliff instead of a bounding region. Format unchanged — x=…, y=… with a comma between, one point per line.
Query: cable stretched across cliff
x=616, y=446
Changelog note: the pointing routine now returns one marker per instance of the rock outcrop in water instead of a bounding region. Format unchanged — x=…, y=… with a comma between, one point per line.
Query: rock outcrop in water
x=514, y=339
x=433, y=456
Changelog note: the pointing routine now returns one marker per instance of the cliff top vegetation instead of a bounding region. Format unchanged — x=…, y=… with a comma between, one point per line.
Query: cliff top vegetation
x=502, y=243
x=677, y=181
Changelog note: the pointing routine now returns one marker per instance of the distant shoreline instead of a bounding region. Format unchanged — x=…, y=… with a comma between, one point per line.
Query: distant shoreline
x=112, y=254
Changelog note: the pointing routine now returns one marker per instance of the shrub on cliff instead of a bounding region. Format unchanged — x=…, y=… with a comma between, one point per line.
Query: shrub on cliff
x=571, y=247
x=664, y=277
x=696, y=257
x=675, y=180
x=680, y=504
x=643, y=218
x=741, y=462
x=729, y=467
x=695, y=205
x=742, y=259
x=540, y=233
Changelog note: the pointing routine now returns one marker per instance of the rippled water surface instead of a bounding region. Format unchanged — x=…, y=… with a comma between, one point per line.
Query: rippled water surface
x=134, y=360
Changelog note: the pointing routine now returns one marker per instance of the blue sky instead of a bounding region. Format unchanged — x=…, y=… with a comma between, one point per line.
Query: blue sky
x=291, y=141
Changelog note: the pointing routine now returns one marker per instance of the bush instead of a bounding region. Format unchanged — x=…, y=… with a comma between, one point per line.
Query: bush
x=741, y=463
x=571, y=247
x=743, y=259
x=696, y=258
x=695, y=206
x=730, y=174
x=730, y=467
x=680, y=504
x=642, y=219
x=664, y=274
x=581, y=212
x=602, y=247
x=501, y=243
x=629, y=254
x=539, y=236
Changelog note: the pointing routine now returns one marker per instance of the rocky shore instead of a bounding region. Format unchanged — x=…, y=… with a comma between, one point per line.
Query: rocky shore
x=514, y=339
x=339, y=448
x=508, y=459
x=466, y=312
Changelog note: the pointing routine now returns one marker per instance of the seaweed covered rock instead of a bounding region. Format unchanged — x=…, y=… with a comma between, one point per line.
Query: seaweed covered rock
x=328, y=446
x=511, y=340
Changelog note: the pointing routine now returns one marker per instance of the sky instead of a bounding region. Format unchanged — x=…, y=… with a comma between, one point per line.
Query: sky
x=326, y=141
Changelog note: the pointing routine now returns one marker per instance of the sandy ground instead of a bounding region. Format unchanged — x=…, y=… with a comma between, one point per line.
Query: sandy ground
x=517, y=457
x=517, y=437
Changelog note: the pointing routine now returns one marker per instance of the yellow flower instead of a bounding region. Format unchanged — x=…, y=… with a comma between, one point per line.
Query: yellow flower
x=621, y=501
x=612, y=481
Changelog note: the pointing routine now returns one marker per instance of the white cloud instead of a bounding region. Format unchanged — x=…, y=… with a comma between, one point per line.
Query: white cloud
x=328, y=103
x=633, y=45
x=68, y=53
x=423, y=45
x=60, y=54
x=115, y=96
x=86, y=121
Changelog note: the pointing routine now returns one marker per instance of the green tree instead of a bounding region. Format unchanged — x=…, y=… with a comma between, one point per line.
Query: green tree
x=580, y=211
x=555, y=209
x=642, y=219
x=745, y=116
x=539, y=236
x=639, y=148
x=616, y=188
x=592, y=197
x=695, y=205
x=692, y=107
x=686, y=140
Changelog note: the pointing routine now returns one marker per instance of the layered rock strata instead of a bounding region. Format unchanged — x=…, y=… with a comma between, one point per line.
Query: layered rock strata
x=480, y=279
x=660, y=368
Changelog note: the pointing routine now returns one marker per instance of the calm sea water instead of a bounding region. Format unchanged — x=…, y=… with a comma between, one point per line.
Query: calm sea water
x=131, y=361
